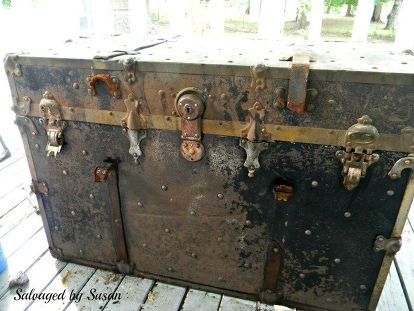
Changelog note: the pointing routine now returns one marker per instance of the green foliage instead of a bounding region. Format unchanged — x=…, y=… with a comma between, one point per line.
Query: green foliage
x=6, y=3
x=339, y=3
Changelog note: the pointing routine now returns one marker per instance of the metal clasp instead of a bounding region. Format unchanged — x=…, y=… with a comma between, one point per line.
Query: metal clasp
x=53, y=122
x=190, y=106
x=391, y=246
x=361, y=139
x=134, y=124
x=252, y=137
x=258, y=73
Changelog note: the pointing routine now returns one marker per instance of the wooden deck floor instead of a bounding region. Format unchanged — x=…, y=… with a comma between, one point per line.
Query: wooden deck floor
x=24, y=243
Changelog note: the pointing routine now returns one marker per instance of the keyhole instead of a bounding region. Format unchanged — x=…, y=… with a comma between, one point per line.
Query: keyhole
x=188, y=109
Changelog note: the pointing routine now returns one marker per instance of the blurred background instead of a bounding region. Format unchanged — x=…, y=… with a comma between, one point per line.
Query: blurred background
x=28, y=24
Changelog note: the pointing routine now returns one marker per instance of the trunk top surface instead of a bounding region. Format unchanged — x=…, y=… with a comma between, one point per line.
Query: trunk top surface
x=333, y=61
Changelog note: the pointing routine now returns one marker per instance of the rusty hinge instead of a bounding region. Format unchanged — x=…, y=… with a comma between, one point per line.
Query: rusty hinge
x=108, y=174
x=400, y=165
x=253, y=136
x=190, y=106
x=111, y=82
x=299, y=97
x=129, y=70
x=361, y=139
x=39, y=187
x=53, y=122
x=258, y=73
x=391, y=246
x=134, y=124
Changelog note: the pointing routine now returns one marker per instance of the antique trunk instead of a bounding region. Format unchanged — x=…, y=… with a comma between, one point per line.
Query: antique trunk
x=267, y=172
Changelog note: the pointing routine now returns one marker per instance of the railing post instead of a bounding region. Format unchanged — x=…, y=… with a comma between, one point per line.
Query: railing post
x=316, y=17
x=138, y=17
x=404, y=37
x=362, y=20
x=272, y=19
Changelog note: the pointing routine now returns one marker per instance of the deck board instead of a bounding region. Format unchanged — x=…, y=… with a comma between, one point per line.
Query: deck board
x=70, y=280
x=133, y=291
x=200, y=300
x=231, y=304
x=164, y=297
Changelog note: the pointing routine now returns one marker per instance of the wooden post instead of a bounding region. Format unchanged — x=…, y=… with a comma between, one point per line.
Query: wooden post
x=272, y=19
x=138, y=17
x=362, y=20
x=177, y=16
x=404, y=37
x=101, y=15
x=316, y=17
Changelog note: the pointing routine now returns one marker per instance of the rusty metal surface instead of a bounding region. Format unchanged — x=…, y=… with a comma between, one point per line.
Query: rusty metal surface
x=298, y=83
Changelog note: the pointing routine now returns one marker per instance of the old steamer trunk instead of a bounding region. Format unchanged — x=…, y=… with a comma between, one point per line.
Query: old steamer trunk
x=273, y=174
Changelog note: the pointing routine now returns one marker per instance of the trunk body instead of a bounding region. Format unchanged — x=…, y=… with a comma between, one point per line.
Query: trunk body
x=392, y=17
x=376, y=16
x=290, y=234
x=349, y=10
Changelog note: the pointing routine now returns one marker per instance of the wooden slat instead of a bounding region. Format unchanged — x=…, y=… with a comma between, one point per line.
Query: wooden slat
x=231, y=304
x=101, y=283
x=133, y=291
x=199, y=300
x=70, y=280
x=362, y=20
x=15, y=217
x=404, y=261
x=40, y=274
x=14, y=175
x=164, y=297
x=23, y=258
x=19, y=234
x=13, y=198
x=392, y=297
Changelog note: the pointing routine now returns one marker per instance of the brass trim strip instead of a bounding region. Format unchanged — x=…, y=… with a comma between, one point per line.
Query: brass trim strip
x=396, y=233
x=294, y=134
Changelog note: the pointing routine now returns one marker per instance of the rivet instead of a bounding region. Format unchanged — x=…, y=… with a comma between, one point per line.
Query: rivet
x=302, y=276
x=248, y=222
x=71, y=109
x=114, y=80
x=164, y=188
x=337, y=260
x=314, y=184
x=56, y=228
x=407, y=162
x=117, y=220
x=362, y=287
x=139, y=204
x=73, y=212
x=170, y=269
x=308, y=232
x=246, y=265
x=144, y=245
x=223, y=96
x=286, y=223
x=328, y=299
x=278, y=127
x=81, y=251
x=64, y=172
x=193, y=255
x=99, y=236
x=394, y=176
x=37, y=146
x=385, y=97
x=219, y=239
x=75, y=85
x=33, y=133
x=220, y=278
x=275, y=250
x=331, y=102
x=167, y=230
x=347, y=214
x=220, y=195
x=91, y=196
x=110, y=113
x=192, y=213
x=390, y=193
x=84, y=152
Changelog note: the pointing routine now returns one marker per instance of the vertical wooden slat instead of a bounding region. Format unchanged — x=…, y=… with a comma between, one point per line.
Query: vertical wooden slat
x=272, y=19
x=404, y=37
x=138, y=17
x=177, y=16
x=362, y=20
x=101, y=16
x=316, y=17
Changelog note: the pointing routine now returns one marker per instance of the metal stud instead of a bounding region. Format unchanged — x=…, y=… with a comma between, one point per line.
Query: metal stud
x=308, y=232
x=75, y=85
x=192, y=213
x=246, y=265
x=81, y=251
x=220, y=196
x=390, y=193
x=73, y=212
x=99, y=236
x=37, y=146
x=167, y=230
x=314, y=184
x=219, y=239
x=194, y=255
x=139, y=204
x=347, y=214
x=302, y=275
x=248, y=222
x=56, y=228
x=337, y=260
x=84, y=152
x=91, y=196
x=170, y=269
x=275, y=250
x=164, y=188
x=362, y=287
x=144, y=245
x=65, y=172
x=220, y=278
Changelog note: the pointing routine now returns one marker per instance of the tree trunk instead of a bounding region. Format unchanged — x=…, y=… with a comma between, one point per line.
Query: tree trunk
x=392, y=17
x=376, y=16
x=248, y=8
x=301, y=15
x=349, y=10
x=328, y=10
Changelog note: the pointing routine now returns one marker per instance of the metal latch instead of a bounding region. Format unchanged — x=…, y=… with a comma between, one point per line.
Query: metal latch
x=361, y=139
x=258, y=73
x=134, y=124
x=391, y=246
x=400, y=165
x=190, y=106
x=252, y=137
x=53, y=123
x=299, y=97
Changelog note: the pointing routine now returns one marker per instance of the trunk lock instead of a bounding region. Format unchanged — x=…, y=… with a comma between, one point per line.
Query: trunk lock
x=361, y=139
x=190, y=106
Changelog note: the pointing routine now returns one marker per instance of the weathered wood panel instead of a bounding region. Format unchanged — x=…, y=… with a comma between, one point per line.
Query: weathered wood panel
x=392, y=297
x=200, y=300
x=164, y=297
